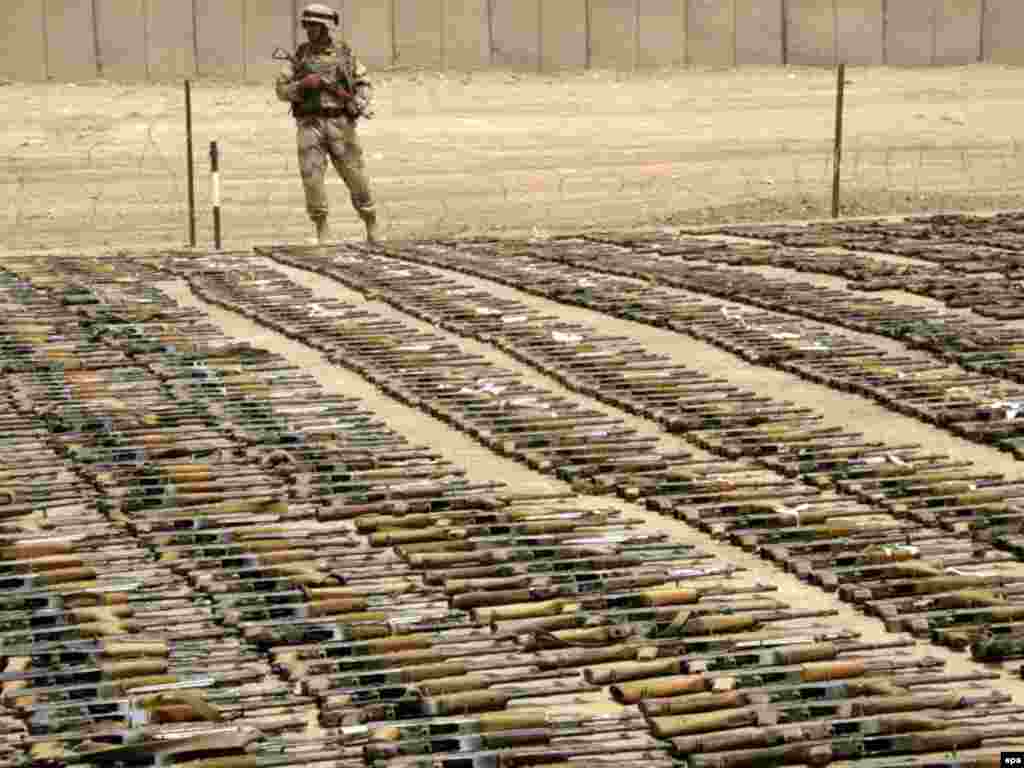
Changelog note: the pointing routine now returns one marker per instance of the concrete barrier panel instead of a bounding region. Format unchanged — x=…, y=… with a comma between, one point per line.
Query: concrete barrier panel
x=515, y=27
x=71, y=50
x=465, y=34
x=661, y=33
x=563, y=26
x=810, y=34
x=908, y=34
x=957, y=32
x=171, y=45
x=220, y=42
x=418, y=33
x=367, y=27
x=1004, y=20
x=268, y=24
x=23, y=56
x=122, y=34
x=759, y=32
x=711, y=33
x=611, y=34
x=860, y=36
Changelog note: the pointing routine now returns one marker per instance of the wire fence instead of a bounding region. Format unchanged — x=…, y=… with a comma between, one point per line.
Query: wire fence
x=148, y=202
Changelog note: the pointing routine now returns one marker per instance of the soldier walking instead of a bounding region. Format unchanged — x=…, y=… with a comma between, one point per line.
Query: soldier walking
x=329, y=91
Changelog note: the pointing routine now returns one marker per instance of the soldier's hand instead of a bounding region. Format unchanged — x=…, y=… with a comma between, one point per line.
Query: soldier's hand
x=341, y=94
x=312, y=81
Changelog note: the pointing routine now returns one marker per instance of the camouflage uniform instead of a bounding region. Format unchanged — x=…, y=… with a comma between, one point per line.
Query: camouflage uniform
x=327, y=126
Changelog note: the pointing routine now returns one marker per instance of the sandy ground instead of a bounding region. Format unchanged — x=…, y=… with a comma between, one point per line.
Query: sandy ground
x=98, y=163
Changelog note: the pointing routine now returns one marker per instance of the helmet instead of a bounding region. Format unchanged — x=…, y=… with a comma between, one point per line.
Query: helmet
x=318, y=13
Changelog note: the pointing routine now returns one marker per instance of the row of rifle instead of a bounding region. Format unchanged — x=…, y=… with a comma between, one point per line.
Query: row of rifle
x=404, y=623
x=967, y=285
x=965, y=375
x=979, y=346
x=975, y=405
x=209, y=563
x=977, y=259
x=109, y=653
x=712, y=688
x=959, y=242
x=846, y=541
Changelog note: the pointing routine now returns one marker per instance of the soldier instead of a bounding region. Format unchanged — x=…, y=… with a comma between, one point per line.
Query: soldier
x=329, y=91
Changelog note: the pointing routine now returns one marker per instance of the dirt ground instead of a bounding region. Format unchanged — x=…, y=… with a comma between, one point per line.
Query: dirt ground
x=98, y=163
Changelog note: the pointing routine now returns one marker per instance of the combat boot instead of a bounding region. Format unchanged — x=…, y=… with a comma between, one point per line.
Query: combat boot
x=372, y=232
x=323, y=232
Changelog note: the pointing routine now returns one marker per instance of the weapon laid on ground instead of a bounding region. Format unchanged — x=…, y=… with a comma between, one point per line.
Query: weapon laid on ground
x=672, y=683
x=735, y=719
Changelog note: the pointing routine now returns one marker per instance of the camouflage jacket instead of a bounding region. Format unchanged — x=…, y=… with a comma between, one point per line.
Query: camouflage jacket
x=336, y=64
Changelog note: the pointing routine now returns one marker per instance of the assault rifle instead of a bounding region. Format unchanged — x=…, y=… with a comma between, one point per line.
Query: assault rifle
x=343, y=94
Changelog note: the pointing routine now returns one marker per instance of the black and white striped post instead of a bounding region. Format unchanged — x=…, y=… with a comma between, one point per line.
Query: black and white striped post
x=215, y=191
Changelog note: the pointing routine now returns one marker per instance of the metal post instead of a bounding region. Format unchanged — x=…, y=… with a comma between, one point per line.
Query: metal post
x=838, y=154
x=215, y=191
x=784, y=10
x=587, y=33
x=540, y=36
x=190, y=166
x=395, y=53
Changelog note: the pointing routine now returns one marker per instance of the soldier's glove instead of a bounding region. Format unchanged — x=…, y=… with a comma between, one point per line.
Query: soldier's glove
x=311, y=82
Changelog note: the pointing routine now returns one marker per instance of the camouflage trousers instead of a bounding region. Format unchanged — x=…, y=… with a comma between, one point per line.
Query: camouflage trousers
x=320, y=138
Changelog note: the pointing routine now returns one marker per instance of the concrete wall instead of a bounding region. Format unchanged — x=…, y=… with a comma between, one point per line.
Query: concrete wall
x=419, y=32
x=367, y=25
x=1004, y=20
x=661, y=33
x=612, y=33
x=711, y=32
x=174, y=39
x=810, y=32
x=957, y=31
x=170, y=41
x=220, y=39
x=267, y=24
x=70, y=44
x=563, y=37
x=759, y=32
x=515, y=33
x=23, y=56
x=465, y=34
x=860, y=31
x=121, y=26
x=909, y=34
